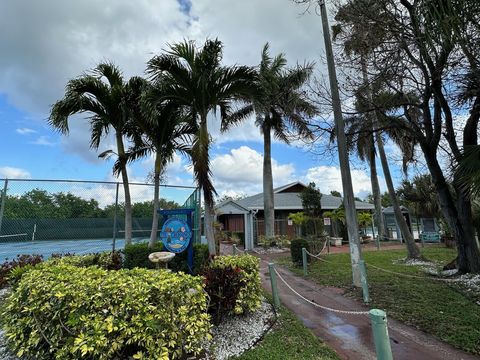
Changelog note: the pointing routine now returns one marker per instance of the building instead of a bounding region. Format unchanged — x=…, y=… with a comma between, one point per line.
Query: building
x=246, y=215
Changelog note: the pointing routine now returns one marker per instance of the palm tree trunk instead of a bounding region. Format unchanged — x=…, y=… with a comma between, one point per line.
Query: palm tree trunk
x=126, y=189
x=156, y=200
x=203, y=173
x=412, y=248
x=377, y=197
x=268, y=203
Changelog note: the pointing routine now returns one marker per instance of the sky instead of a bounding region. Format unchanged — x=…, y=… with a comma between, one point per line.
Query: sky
x=46, y=43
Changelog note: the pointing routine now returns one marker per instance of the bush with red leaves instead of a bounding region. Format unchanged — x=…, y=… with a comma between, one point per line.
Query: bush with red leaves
x=19, y=262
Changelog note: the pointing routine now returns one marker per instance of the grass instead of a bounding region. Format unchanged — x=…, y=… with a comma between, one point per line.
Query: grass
x=290, y=340
x=441, y=309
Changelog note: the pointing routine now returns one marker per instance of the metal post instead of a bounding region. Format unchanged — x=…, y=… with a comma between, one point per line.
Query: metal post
x=380, y=334
x=234, y=251
x=304, y=261
x=363, y=275
x=2, y=206
x=328, y=245
x=115, y=219
x=273, y=281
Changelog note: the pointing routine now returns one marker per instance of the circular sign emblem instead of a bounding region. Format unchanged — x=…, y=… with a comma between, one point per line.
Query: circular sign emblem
x=175, y=235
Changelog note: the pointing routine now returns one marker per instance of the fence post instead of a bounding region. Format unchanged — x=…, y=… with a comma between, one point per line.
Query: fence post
x=2, y=206
x=115, y=219
x=234, y=249
x=380, y=334
x=328, y=245
x=364, y=281
x=273, y=280
x=304, y=261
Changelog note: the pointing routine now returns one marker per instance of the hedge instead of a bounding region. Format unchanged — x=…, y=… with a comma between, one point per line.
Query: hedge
x=249, y=296
x=67, y=312
x=136, y=255
x=296, y=246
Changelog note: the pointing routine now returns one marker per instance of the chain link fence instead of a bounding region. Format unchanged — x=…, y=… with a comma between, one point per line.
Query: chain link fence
x=60, y=216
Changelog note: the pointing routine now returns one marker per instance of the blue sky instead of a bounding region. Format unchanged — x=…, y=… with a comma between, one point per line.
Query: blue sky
x=54, y=41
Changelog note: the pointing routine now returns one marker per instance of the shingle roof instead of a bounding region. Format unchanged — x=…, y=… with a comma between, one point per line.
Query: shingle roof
x=284, y=201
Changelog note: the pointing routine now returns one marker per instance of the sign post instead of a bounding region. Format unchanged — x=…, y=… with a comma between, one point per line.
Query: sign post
x=176, y=234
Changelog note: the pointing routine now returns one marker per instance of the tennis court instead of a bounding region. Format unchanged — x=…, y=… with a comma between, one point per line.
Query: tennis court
x=46, y=248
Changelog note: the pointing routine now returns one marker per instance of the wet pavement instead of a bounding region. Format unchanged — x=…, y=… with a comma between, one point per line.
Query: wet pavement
x=351, y=335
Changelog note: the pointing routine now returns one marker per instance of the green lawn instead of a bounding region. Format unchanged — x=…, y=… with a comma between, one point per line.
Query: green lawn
x=441, y=309
x=289, y=340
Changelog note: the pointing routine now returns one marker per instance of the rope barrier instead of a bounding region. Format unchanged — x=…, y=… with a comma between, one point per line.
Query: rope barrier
x=392, y=272
x=318, y=257
x=348, y=312
x=410, y=276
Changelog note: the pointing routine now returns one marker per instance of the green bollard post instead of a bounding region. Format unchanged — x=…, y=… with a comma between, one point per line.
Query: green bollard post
x=234, y=249
x=380, y=334
x=273, y=280
x=364, y=281
x=304, y=261
x=422, y=240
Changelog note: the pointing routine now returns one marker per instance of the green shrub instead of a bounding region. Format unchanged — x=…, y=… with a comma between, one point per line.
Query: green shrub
x=105, y=260
x=27, y=261
x=296, y=246
x=136, y=255
x=67, y=312
x=249, y=296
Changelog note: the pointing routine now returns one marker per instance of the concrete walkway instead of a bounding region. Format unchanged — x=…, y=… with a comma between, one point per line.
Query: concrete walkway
x=350, y=335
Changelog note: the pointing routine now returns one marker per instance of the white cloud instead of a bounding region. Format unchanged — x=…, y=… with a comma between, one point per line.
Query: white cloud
x=241, y=171
x=14, y=173
x=44, y=141
x=25, y=131
x=328, y=178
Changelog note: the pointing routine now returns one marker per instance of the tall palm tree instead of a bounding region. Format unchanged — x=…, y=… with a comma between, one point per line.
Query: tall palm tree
x=103, y=95
x=281, y=108
x=159, y=128
x=196, y=79
x=360, y=39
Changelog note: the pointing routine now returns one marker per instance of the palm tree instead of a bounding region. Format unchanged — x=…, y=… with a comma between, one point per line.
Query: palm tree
x=163, y=131
x=281, y=108
x=103, y=94
x=361, y=39
x=194, y=78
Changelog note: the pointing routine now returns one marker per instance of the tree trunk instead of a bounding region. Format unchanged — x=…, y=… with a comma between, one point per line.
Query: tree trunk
x=348, y=197
x=156, y=200
x=126, y=189
x=268, y=202
x=413, y=250
x=377, y=198
x=209, y=215
x=202, y=171
x=457, y=217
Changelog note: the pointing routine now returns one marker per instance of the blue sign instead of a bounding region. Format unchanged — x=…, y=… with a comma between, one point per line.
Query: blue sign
x=175, y=235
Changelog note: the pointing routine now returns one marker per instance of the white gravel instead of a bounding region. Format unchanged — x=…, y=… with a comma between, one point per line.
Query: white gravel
x=237, y=334
x=271, y=250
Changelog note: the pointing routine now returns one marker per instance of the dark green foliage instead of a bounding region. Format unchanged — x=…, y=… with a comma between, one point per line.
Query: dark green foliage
x=296, y=250
x=136, y=255
x=312, y=208
x=223, y=286
x=21, y=261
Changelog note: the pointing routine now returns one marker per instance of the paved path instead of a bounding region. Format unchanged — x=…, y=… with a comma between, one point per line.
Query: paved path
x=350, y=335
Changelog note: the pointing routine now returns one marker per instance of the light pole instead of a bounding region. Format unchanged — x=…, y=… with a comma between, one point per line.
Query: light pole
x=348, y=198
